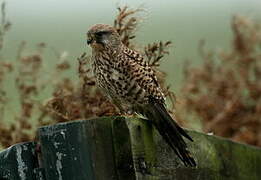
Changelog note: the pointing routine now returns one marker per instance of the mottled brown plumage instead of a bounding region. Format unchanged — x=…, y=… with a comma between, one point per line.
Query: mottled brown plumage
x=125, y=77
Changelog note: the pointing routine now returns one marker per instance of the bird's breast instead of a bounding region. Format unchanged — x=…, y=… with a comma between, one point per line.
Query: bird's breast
x=116, y=80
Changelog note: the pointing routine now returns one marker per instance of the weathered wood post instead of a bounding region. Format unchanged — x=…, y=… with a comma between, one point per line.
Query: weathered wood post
x=19, y=162
x=81, y=150
x=118, y=148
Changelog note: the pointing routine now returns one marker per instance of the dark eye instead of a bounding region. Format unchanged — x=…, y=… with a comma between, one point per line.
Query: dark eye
x=100, y=33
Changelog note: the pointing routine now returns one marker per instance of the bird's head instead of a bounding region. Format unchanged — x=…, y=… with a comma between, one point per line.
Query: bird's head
x=102, y=36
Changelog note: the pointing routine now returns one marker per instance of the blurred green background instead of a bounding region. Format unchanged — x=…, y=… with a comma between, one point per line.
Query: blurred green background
x=62, y=25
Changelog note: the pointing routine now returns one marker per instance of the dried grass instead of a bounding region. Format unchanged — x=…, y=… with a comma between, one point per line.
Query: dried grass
x=225, y=92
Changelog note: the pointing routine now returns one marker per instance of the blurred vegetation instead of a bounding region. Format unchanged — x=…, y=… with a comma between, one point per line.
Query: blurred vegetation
x=224, y=94
x=225, y=91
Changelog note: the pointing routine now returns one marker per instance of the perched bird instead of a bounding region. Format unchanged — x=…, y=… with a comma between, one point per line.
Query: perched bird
x=126, y=78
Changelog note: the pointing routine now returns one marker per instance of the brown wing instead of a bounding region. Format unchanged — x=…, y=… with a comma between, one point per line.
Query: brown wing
x=142, y=74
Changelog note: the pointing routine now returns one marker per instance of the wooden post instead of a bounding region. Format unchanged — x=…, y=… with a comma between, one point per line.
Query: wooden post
x=18, y=162
x=216, y=157
x=129, y=148
x=85, y=150
x=118, y=148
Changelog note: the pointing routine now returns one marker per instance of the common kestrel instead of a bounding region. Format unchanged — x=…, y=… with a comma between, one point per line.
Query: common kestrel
x=126, y=78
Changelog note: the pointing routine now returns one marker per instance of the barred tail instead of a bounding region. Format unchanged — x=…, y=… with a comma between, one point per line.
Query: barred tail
x=170, y=131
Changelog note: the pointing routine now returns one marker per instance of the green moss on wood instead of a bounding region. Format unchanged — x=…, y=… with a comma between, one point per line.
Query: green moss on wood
x=217, y=158
x=130, y=148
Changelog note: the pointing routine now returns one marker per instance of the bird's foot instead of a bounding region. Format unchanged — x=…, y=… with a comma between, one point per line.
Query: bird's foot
x=128, y=114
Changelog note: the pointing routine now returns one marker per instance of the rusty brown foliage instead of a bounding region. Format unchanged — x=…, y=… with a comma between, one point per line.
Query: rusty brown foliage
x=78, y=101
x=125, y=23
x=225, y=92
x=71, y=98
x=26, y=78
x=5, y=69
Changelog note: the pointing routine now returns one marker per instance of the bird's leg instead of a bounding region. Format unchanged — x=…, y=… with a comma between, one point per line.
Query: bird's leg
x=118, y=105
x=130, y=113
x=123, y=111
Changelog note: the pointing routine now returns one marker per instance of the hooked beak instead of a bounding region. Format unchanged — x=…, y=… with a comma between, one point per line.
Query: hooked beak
x=89, y=41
